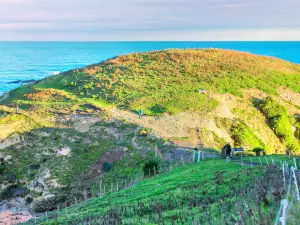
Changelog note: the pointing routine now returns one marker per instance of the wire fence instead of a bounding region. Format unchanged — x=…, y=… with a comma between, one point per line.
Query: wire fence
x=245, y=209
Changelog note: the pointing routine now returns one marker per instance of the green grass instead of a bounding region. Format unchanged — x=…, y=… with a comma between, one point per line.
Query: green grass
x=168, y=81
x=268, y=159
x=180, y=186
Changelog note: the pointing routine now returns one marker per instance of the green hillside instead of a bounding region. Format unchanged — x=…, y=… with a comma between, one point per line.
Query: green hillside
x=167, y=81
x=210, y=192
x=65, y=133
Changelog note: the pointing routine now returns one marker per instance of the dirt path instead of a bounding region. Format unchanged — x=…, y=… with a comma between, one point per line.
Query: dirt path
x=182, y=125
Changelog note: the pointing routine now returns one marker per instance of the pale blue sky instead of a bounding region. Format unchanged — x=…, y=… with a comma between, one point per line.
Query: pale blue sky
x=149, y=20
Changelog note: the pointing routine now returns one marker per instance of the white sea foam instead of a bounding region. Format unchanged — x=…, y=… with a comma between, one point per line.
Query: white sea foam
x=53, y=72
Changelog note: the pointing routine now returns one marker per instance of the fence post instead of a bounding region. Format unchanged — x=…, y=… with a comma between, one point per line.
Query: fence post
x=283, y=174
x=100, y=191
x=295, y=163
x=267, y=161
x=296, y=184
x=242, y=159
x=199, y=156
x=85, y=195
x=194, y=154
x=58, y=211
x=282, y=219
x=260, y=161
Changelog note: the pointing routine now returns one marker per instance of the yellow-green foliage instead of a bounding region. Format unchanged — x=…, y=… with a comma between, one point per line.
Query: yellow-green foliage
x=279, y=121
x=168, y=81
x=243, y=135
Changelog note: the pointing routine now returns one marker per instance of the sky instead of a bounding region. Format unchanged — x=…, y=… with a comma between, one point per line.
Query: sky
x=101, y=20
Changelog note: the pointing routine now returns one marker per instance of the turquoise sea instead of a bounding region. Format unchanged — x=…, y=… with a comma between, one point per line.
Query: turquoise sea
x=36, y=60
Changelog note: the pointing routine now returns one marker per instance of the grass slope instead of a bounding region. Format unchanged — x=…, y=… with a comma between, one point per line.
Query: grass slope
x=167, y=81
x=210, y=192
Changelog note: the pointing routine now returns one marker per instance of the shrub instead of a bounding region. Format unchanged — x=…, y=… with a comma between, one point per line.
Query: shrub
x=152, y=164
x=151, y=167
x=107, y=167
x=258, y=151
x=280, y=123
x=243, y=135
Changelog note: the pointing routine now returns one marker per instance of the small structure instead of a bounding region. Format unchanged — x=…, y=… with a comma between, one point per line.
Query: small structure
x=202, y=91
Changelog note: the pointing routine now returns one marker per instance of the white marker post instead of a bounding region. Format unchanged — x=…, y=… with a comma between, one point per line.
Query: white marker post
x=199, y=155
x=194, y=155
x=284, y=204
x=296, y=184
x=295, y=163
x=251, y=160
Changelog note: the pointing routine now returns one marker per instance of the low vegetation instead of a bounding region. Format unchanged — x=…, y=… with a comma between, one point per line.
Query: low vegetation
x=210, y=192
x=68, y=134
x=280, y=123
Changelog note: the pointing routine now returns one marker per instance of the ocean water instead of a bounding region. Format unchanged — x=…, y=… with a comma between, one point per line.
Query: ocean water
x=36, y=60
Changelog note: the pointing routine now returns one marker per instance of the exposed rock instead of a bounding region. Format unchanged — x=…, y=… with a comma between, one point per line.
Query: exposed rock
x=63, y=151
x=12, y=140
x=36, y=187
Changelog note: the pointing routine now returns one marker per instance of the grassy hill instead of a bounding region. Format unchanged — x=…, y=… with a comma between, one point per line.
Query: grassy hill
x=57, y=134
x=167, y=81
x=210, y=192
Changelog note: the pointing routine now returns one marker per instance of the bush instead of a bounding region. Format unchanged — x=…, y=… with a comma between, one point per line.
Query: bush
x=258, y=151
x=280, y=123
x=13, y=191
x=152, y=164
x=107, y=167
x=151, y=167
x=243, y=135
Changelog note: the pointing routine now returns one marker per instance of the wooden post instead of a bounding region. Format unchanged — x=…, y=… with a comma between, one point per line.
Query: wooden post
x=85, y=195
x=100, y=191
x=58, y=211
